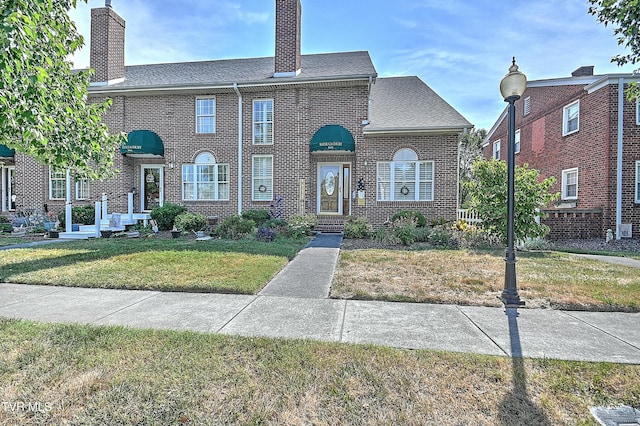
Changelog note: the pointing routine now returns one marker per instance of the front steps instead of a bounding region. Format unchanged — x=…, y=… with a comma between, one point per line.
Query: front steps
x=329, y=224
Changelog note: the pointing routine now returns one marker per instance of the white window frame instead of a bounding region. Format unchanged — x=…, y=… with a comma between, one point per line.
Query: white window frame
x=61, y=179
x=565, y=118
x=202, y=161
x=516, y=145
x=199, y=115
x=638, y=112
x=638, y=181
x=262, y=178
x=565, y=176
x=496, y=152
x=414, y=185
x=265, y=137
x=83, y=190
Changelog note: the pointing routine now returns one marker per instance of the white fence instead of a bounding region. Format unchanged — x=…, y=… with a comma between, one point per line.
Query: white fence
x=468, y=216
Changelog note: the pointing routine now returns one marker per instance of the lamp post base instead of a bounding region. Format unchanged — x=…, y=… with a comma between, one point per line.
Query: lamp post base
x=510, y=296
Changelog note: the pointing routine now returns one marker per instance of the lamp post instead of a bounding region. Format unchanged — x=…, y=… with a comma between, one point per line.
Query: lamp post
x=512, y=87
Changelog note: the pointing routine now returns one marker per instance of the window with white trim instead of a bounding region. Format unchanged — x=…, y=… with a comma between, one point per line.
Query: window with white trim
x=82, y=189
x=206, y=115
x=57, y=185
x=637, y=181
x=262, y=177
x=517, y=142
x=527, y=106
x=571, y=118
x=405, y=178
x=205, y=180
x=263, y=122
x=496, y=149
x=570, y=184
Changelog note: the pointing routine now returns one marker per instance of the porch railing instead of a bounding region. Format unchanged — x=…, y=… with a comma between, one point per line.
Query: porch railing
x=468, y=216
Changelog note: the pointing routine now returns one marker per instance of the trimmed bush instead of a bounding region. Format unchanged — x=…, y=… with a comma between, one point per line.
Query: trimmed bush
x=421, y=221
x=166, y=215
x=85, y=215
x=302, y=224
x=4, y=219
x=258, y=216
x=190, y=221
x=235, y=227
x=357, y=227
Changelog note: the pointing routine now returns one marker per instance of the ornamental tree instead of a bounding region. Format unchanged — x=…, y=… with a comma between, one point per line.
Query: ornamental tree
x=488, y=194
x=44, y=107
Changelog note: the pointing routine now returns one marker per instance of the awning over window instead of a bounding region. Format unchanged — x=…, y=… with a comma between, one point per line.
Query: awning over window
x=332, y=139
x=143, y=144
x=6, y=152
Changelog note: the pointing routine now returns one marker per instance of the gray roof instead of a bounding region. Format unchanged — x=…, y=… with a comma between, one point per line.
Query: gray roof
x=329, y=66
x=404, y=104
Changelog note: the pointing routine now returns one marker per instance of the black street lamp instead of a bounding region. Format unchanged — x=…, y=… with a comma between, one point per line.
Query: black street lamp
x=512, y=87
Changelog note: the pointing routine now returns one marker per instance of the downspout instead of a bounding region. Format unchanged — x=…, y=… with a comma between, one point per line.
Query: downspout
x=235, y=87
x=619, y=156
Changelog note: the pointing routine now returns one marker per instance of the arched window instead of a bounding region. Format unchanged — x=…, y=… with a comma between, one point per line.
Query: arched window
x=405, y=178
x=205, y=179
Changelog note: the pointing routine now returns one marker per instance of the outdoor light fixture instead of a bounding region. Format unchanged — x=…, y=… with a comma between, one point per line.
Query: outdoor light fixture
x=512, y=87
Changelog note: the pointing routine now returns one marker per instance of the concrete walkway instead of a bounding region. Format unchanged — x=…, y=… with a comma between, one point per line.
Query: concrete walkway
x=294, y=305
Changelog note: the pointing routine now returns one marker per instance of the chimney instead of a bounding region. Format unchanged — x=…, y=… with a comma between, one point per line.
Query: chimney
x=107, y=45
x=583, y=72
x=288, y=18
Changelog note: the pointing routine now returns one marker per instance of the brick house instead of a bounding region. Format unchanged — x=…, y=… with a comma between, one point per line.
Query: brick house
x=582, y=130
x=221, y=137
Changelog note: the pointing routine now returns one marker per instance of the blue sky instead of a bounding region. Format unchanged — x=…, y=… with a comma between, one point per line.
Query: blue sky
x=460, y=48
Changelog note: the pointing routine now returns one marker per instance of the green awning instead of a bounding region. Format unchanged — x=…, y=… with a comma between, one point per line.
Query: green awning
x=6, y=152
x=143, y=144
x=332, y=139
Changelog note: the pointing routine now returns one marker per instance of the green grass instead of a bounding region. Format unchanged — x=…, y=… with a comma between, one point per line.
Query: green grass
x=243, y=266
x=8, y=241
x=113, y=375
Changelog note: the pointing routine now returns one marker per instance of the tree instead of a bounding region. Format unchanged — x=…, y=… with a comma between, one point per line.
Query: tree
x=488, y=193
x=624, y=17
x=44, y=107
x=470, y=152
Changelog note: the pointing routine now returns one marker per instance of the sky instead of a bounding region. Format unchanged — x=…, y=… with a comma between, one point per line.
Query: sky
x=460, y=48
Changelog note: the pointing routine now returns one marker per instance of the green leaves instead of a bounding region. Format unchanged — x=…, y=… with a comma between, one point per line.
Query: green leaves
x=44, y=111
x=488, y=193
x=624, y=17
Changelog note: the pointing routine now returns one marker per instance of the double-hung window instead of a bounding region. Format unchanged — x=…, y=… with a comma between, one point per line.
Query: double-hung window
x=571, y=118
x=262, y=176
x=570, y=184
x=206, y=115
x=496, y=149
x=517, y=142
x=82, y=189
x=205, y=180
x=263, y=122
x=405, y=178
x=57, y=185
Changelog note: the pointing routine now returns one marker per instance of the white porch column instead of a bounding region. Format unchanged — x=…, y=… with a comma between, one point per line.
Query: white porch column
x=3, y=178
x=97, y=218
x=104, y=206
x=67, y=212
x=130, y=206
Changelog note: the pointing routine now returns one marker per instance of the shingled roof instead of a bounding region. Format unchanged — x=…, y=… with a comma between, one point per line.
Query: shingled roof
x=407, y=104
x=328, y=66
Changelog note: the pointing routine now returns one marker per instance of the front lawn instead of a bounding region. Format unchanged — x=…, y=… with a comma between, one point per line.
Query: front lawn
x=76, y=374
x=550, y=279
x=243, y=266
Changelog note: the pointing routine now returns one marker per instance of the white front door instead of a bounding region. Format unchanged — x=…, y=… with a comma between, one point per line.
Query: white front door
x=152, y=186
x=330, y=186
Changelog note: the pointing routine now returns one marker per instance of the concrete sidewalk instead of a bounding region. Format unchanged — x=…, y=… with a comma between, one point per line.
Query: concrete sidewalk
x=295, y=305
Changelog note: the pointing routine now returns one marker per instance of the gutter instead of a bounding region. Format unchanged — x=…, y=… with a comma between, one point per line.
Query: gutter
x=619, y=156
x=416, y=130
x=235, y=88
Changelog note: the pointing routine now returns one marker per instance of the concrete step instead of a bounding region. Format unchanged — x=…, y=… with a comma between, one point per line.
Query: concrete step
x=77, y=235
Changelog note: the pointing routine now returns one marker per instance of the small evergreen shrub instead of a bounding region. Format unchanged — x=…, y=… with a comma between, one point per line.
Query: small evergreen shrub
x=258, y=216
x=412, y=214
x=190, y=221
x=166, y=215
x=357, y=227
x=6, y=227
x=85, y=215
x=235, y=227
x=266, y=234
x=4, y=219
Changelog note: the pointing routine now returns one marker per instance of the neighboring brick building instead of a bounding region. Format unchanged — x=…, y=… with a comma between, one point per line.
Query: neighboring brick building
x=569, y=128
x=321, y=131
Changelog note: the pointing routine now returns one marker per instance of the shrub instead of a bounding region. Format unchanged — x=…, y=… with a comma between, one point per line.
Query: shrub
x=4, y=219
x=235, y=227
x=190, y=221
x=442, y=236
x=266, y=234
x=144, y=230
x=404, y=230
x=537, y=244
x=357, y=227
x=441, y=221
x=85, y=215
x=258, y=216
x=302, y=224
x=421, y=234
x=6, y=227
x=412, y=214
x=473, y=237
x=166, y=215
